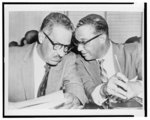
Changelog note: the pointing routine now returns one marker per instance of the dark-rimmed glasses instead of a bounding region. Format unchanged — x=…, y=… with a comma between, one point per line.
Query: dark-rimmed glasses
x=57, y=46
x=77, y=43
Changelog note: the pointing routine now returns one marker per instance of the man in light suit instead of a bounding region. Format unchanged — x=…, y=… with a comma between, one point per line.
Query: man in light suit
x=26, y=64
x=106, y=68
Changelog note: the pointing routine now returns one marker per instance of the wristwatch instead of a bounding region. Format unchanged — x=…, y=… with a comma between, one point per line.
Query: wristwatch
x=103, y=91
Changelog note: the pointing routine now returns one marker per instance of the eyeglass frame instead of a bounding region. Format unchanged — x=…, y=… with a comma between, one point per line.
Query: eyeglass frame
x=84, y=43
x=58, y=44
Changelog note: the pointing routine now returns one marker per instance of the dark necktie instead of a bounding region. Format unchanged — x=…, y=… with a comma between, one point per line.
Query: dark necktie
x=43, y=85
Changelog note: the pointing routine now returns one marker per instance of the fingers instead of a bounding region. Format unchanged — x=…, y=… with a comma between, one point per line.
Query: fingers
x=116, y=91
x=66, y=106
x=121, y=84
x=117, y=86
x=121, y=92
x=59, y=106
x=68, y=98
x=71, y=102
x=113, y=92
x=76, y=101
x=122, y=77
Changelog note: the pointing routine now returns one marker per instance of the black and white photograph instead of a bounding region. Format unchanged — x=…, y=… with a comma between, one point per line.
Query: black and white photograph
x=74, y=59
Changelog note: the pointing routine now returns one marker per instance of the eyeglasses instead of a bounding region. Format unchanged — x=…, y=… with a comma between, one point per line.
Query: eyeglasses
x=57, y=46
x=77, y=43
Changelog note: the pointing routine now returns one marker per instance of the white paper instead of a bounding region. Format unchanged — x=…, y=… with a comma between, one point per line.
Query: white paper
x=45, y=102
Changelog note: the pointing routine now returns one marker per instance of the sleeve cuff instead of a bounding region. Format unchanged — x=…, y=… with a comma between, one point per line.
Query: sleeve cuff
x=97, y=97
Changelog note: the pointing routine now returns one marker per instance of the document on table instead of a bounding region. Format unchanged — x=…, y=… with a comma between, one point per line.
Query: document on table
x=50, y=101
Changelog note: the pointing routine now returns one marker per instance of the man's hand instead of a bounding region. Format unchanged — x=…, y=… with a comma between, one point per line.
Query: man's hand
x=71, y=102
x=134, y=89
x=117, y=86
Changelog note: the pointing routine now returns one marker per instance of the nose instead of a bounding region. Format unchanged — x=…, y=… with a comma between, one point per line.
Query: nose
x=80, y=47
x=61, y=52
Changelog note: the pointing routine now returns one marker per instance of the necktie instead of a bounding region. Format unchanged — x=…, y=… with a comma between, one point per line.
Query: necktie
x=103, y=72
x=104, y=78
x=43, y=85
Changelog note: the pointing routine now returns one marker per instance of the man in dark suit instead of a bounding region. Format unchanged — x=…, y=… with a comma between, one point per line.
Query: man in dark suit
x=26, y=64
x=107, y=69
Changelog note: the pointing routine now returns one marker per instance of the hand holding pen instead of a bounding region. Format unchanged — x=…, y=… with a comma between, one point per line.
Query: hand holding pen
x=119, y=85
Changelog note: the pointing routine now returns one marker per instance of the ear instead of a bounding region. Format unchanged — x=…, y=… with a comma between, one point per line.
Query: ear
x=103, y=38
x=41, y=37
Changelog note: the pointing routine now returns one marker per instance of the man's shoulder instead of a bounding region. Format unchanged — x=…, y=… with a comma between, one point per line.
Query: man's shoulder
x=74, y=58
x=80, y=58
x=134, y=49
x=15, y=51
x=19, y=52
x=70, y=57
x=132, y=46
x=127, y=47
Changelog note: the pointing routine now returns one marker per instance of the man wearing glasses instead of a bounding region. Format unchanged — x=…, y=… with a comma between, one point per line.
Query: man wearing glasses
x=109, y=71
x=26, y=65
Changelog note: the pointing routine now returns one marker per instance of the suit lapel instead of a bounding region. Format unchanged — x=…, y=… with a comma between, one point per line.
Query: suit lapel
x=116, y=63
x=94, y=71
x=55, y=78
x=118, y=56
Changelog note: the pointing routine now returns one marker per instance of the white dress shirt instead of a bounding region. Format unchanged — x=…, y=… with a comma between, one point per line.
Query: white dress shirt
x=39, y=70
x=108, y=65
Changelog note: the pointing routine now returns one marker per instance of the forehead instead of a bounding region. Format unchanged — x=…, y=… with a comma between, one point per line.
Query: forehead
x=85, y=30
x=61, y=34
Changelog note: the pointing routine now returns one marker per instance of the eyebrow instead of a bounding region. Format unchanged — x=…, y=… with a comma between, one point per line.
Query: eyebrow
x=51, y=39
x=61, y=43
x=84, y=39
x=56, y=43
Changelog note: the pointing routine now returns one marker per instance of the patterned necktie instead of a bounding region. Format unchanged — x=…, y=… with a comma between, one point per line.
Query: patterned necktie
x=103, y=72
x=43, y=85
x=104, y=78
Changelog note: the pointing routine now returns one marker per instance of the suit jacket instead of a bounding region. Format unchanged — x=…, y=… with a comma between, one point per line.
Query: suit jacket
x=129, y=57
x=21, y=75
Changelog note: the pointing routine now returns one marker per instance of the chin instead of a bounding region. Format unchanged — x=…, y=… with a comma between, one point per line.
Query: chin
x=88, y=58
x=52, y=63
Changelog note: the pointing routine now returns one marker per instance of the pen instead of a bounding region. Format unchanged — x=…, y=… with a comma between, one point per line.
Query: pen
x=59, y=106
x=134, y=79
x=118, y=63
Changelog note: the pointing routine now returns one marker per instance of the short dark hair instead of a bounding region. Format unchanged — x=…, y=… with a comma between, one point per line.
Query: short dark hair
x=13, y=43
x=56, y=18
x=31, y=36
x=95, y=20
x=133, y=39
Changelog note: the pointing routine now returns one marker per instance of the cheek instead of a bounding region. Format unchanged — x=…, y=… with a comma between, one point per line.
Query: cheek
x=47, y=51
x=95, y=50
x=90, y=50
x=100, y=50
